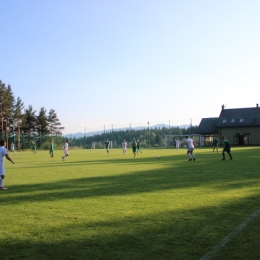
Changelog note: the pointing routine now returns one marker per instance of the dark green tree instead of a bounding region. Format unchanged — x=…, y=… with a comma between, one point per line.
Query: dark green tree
x=54, y=123
x=42, y=122
x=18, y=119
x=30, y=121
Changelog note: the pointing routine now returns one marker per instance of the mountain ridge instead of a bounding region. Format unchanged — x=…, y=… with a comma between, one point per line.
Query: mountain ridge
x=80, y=134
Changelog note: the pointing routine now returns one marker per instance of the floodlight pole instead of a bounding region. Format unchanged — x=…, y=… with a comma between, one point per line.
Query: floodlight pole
x=104, y=132
x=130, y=132
x=112, y=134
x=85, y=138
x=149, y=134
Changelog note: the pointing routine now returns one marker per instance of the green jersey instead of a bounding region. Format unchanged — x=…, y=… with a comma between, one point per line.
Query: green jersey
x=138, y=144
x=107, y=144
x=134, y=146
x=51, y=147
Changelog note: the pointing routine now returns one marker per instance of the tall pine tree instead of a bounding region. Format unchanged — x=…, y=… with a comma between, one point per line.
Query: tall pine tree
x=54, y=123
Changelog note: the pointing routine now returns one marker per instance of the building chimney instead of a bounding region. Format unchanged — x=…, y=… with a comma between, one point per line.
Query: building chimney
x=223, y=107
x=256, y=105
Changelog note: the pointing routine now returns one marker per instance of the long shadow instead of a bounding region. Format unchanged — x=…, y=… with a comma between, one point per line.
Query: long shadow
x=172, y=234
x=170, y=178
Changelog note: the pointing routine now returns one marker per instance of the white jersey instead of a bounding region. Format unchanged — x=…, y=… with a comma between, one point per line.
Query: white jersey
x=190, y=143
x=124, y=145
x=66, y=147
x=3, y=153
x=12, y=147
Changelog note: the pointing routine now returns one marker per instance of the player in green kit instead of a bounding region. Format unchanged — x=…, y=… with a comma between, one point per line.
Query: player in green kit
x=138, y=146
x=215, y=144
x=34, y=149
x=226, y=148
x=51, y=149
x=134, y=147
x=107, y=145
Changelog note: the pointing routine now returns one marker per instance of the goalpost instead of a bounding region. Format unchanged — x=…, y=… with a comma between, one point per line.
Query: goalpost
x=168, y=140
x=101, y=145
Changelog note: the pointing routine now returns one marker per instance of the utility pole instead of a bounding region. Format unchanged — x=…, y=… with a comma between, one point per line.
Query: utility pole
x=85, y=138
x=149, y=134
x=112, y=136
x=130, y=132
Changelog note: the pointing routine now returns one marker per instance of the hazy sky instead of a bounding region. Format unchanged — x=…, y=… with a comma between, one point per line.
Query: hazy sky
x=119, y=62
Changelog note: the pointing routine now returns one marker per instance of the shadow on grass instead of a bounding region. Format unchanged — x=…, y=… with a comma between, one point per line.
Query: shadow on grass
x=178, y=176
x=184, y=234
x=171, y=234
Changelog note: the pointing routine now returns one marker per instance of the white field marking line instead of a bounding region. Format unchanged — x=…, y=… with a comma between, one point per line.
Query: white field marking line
x=230, y=235
x=229, y=172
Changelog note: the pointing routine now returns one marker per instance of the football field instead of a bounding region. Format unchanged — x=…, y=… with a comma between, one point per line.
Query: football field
x=96, y=205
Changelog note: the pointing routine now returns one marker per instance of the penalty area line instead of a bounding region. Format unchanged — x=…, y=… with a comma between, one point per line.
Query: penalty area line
x=230, y=235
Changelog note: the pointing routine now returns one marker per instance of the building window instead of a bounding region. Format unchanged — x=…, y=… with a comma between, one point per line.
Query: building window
x=241, y=120
x=233, y=120
x=224, y=121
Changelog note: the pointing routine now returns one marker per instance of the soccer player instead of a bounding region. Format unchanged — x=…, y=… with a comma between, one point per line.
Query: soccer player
x=51, y=149
x=226, y=148
x=215, y=144
x=65, y=150
x=124, y=147
x=174, y=142
x=138, y=146
x=134, y=147
x=107, y=145
x=190, y=144
x=3, y=153
x=177, y=143
x=34, y=149
x=12, y=148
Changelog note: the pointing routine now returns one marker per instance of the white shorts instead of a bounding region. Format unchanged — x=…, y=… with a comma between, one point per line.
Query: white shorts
x=66, y=153
x=124, y=148
x=190, y=149
x=2, y=170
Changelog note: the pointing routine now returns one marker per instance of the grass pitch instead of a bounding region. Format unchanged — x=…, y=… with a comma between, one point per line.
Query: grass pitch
x=96, y=205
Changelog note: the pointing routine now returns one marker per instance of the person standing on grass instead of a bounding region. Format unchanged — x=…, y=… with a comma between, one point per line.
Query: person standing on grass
x=65, y=150
x=124, y=147
x=190, y=144
x=3, y=153
x=107, y=145
x=226, y=148
x=34, y=149
x=12, y=148
x=177, y=143
x=138, y=146
x=215, y=144
x=134, y=147
x=174, y=142
x=51, y=149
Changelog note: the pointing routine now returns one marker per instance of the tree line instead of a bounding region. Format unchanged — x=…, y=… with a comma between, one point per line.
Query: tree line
x=16, y=120
x=153, y=137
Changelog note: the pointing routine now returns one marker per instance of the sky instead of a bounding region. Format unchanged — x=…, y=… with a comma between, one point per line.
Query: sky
x=111, y=64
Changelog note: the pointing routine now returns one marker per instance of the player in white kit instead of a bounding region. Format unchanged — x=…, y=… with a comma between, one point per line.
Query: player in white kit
x=190, y=145
x=66, y=150
x=3, y=154
x=124, y=147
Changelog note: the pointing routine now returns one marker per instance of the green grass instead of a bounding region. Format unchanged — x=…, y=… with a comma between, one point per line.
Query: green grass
x=100, y=206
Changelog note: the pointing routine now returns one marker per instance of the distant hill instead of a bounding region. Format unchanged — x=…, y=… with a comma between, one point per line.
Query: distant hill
x=80, y=134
